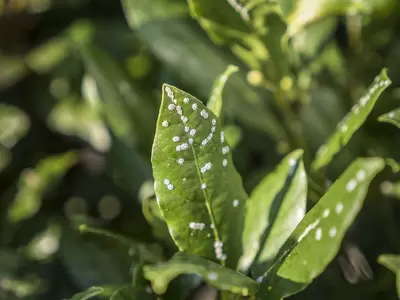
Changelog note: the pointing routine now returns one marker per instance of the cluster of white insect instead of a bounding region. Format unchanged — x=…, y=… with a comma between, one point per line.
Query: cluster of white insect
x=206, y=167
x=168, y=183
x=182, y=147
x=197, y=226
x=342, y=125
x=244, y=13
x=219, y=251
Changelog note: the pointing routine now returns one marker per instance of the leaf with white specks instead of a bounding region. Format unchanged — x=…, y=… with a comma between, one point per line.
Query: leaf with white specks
x=214, y=274
x=215, y=103
x=317, y=239
x=199, y=191
x=273, y=211
x=351, y=122
x=89, y=293
x=392, y=117
x=392, y=262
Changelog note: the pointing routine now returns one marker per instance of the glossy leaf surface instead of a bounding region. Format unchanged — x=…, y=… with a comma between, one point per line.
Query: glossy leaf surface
x=351, y=122
x=214, y=274
x=198, y=189
x=273, y=211
x=317, y=239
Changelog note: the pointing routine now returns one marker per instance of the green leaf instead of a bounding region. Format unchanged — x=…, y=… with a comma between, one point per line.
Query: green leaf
x=133, y=293
x=273, y=211
x=14, y=124
x=90, y=293
x=215, y=103
x=215, y=275
x=233, y=135
x=126, y=108
x=392, y=117
x=138, y=13
x=198, y=189
x=351, y=122
x=317, y=239
x=392, y=262
x=34, y=183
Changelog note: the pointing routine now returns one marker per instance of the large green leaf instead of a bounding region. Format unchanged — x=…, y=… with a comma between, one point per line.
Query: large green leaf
x=34, y=183
x=273, y=211
x=392, y=262
x=215, y=104
x=351, y=122
x=89, y=293
x=392, y=117
x=317, y=239
x=197, y=187
x=216, y=275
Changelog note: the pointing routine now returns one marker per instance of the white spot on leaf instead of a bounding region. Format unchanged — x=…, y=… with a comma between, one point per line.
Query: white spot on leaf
x=171, y=106
x=225, y=162
x=318, y=234
x=203, y=186
x=332, y=232
x=235, y=203
x=326, y=213
x=194, y=106
x=192, y=132
x=339, y=208
x=181, y=161
x=176, y=138
x=197, y=226
x=204, y=114
x=212, y=276
x=351, y=185
x=165, y=124
x=361, y=175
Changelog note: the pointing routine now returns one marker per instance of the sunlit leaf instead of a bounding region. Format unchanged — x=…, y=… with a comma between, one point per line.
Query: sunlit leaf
x=215, y=104
x=351, y=122
x=197, y=187
x=273, y=211
x=90, y=293
x=392, y=117
x=392, y=262
x=33, y=184
x=317, y=239
x=216, y=275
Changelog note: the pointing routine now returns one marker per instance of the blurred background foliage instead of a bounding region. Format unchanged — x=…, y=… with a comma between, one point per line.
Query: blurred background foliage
x=79, y=94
